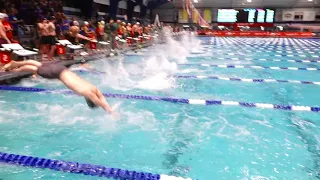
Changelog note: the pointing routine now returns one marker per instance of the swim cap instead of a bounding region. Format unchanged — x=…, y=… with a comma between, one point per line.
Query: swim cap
x=86, y=23
x=3, y=15
x=90, y=103
x=75, y=23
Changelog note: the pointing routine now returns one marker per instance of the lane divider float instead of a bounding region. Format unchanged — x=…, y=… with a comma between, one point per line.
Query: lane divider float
x=84, y=169
x=247, y=80
x=253, y=59
x=175, y=100
x=221, y=78
x=252, y=67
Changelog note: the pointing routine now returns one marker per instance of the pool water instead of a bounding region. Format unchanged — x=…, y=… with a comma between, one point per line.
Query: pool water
x=196, y=141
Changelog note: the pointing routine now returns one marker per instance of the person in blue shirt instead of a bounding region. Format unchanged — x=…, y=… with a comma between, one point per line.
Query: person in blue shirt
x=14, y=21
x=65, y=25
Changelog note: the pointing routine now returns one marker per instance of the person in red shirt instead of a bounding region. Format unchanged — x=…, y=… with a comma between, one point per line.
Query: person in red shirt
x=8, y=28
x=100, y=31
x=3, y=36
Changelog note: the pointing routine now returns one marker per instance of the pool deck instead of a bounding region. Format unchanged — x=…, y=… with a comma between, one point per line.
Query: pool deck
x=11, y=77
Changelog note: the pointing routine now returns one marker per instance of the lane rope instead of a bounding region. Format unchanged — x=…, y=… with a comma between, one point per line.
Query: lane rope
x=237, y=44
x=247, y=80
x=266, y=55
x=251, y=67
x=219, y=78
x=84, y=169
x=175, y=100
x=253, y=59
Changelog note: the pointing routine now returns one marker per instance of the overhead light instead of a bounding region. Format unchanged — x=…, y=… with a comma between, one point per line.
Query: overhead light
x=195, y=1
x=248, y=0
x=310, y=0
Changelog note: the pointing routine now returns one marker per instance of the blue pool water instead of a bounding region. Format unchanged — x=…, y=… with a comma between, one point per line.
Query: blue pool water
x=196, y=141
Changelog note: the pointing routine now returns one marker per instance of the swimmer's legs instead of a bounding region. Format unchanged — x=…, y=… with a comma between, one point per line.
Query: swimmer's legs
x=17, y=64
x=26, y=68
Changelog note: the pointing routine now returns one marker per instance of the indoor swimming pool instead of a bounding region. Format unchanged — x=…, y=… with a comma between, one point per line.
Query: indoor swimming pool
x=199, y=107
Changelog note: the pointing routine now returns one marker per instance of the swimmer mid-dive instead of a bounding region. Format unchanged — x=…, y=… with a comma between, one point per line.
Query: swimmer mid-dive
x=91, y=93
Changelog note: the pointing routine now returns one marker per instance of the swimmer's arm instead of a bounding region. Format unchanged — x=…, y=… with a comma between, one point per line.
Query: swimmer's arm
x=105, y=104
x=16, y=22
x=83, y=37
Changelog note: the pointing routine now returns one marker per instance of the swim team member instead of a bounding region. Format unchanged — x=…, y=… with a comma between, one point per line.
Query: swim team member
x=57, y=71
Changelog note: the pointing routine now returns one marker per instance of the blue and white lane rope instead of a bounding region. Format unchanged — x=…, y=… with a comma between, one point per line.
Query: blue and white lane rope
x=78, y=168
x=218, y=78
x=266, y=55
x=176, y=100
x=247, y=80
x=253, y=59
x=251, y=67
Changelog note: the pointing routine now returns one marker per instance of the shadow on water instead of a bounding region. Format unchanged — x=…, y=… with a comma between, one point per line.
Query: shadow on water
x=303, y=127
x=180, y=140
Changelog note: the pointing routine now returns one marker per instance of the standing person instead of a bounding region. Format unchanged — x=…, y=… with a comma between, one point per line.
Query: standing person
x=124, y=30
x=107, y=29
x=47, y=38
x=65, y=24
x=51, y=38
x=7, y=28
x=3, y=36
x=100, y=31
x=14, y=21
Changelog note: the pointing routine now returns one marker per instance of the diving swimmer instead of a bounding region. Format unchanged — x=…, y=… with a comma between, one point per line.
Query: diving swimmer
x=91, y=93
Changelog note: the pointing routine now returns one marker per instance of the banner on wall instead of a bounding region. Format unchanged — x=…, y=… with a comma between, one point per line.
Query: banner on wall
x=207, y=15
x=287, y=15
x=183, y=16
x=195, y=15
x=254, y=34
x=299, y=15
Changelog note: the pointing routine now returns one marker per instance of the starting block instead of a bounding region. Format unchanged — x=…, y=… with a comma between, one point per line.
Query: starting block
x=104, y=47
x=93, y=44
x=16, y=50
x=71, y=51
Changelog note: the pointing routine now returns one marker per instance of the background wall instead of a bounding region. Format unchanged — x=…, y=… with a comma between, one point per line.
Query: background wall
x=309, y=15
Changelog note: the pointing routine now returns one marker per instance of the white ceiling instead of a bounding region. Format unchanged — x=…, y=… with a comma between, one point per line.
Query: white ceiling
x=253, y=3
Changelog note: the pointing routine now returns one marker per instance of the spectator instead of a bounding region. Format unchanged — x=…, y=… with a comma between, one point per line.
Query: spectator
x=107, y=30
x=47, y=38
x=3, y=37
x=14, y=21
x=124, y=30
x=65, y=24
x=8, y=28
x=129, y=30
x=100, y=31
x=52, y=38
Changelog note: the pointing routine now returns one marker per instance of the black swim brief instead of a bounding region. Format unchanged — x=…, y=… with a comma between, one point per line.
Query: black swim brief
x=51, y=71
x=48, y=40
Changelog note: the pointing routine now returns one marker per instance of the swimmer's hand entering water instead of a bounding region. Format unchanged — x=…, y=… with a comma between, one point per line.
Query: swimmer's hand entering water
x=115, y=115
